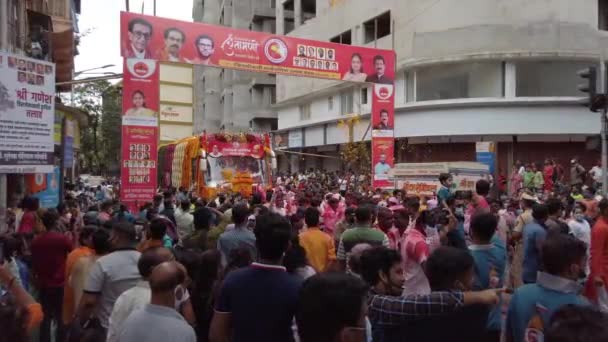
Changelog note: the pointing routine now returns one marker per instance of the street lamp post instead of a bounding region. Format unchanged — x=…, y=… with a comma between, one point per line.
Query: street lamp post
x=78, y=73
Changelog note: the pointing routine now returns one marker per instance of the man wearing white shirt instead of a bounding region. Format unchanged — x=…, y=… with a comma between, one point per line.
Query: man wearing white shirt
x=139, y=296
x=596, y=173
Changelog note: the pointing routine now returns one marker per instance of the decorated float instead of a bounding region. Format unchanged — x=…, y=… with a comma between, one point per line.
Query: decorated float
x=220, y=162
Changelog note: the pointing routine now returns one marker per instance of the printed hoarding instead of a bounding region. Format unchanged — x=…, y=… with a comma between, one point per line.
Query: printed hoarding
x=27, y=114
x=196, y=43
x=383, y=137
x=139, y=131
x=382, y=161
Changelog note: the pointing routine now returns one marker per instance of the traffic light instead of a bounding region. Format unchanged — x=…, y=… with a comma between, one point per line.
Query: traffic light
x=594, y=101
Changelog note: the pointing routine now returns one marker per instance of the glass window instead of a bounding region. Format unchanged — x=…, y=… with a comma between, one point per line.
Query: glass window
x=453, y=81
x=409, y=86
x=364, y=95
x=305, y=111
x=346, y=102
x=343, y=38
x=377, y=27
x=548, y=78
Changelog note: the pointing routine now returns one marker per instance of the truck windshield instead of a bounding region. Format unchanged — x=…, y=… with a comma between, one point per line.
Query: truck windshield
x=222, y=169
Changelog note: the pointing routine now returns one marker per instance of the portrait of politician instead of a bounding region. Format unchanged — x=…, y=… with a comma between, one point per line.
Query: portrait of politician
x=205, y=47
x=140, y=34
x=301, y=51
x=174, y=41
x=379, y=76
x=381, y=168
x=215, y=152
x=355, y=72
x=139, y=106
x=383, y=124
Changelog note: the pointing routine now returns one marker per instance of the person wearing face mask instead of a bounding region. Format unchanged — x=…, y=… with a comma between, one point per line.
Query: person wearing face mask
x=159, y=321
x=109, y=277
x=138, y=296
x=398, y=318
x=532, y=305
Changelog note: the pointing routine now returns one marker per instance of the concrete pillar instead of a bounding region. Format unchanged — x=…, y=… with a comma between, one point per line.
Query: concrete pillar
x=510, y=80
x=280, y=13
x=3, y=26
x=297, y=13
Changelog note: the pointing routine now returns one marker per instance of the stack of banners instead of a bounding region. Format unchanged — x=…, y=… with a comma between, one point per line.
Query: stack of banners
x=139, y=131
x=383, y=135
x=27, y=114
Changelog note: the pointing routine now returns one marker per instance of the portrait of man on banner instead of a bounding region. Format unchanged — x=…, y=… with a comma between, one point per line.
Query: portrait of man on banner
x=382, y=167
x=174, y=41
x=380, y=75
x=384, y=122
x=140, y=34
x=205, y=47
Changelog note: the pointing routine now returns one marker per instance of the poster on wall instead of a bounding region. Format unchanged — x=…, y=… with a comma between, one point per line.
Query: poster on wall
x=383, y=134
x=171, y=40
x=485, y=153
x=140, y=106
x=383, y=111
x=27, y=114
x=382, y=161
x=44, y=187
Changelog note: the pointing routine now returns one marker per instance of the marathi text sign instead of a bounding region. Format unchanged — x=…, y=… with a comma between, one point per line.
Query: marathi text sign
x=196, y=43
x=245, y=145
x=139, y=132
x=27, y=113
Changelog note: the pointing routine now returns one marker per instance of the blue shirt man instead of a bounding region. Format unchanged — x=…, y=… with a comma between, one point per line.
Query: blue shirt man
x=534, y=236
x=532, y=305
x=541, y=299
x=381, y=169
x=490, y=261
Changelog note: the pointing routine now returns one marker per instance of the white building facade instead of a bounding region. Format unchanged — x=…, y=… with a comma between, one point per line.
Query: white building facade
x=467, y=71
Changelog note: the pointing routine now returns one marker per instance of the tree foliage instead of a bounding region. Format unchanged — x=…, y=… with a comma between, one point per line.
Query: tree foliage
x=357, y=157
x=100, y=139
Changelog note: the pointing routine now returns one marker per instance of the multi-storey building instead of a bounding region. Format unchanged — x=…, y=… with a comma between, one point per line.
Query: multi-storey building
x=45, y=30
x=467, y=71
x=229, y=99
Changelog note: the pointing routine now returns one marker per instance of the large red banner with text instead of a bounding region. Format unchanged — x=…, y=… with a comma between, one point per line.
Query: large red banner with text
x=146, y=37
x=140, y=106
x=383, y=141
x=245, y=145
x=179, y=41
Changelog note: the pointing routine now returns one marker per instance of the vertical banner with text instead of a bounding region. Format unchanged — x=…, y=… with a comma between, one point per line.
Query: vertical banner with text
x=140, y=104
x=27, y=114
x=383, y=134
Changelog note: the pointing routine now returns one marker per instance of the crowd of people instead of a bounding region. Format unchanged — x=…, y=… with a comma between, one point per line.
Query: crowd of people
x=316, y=258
